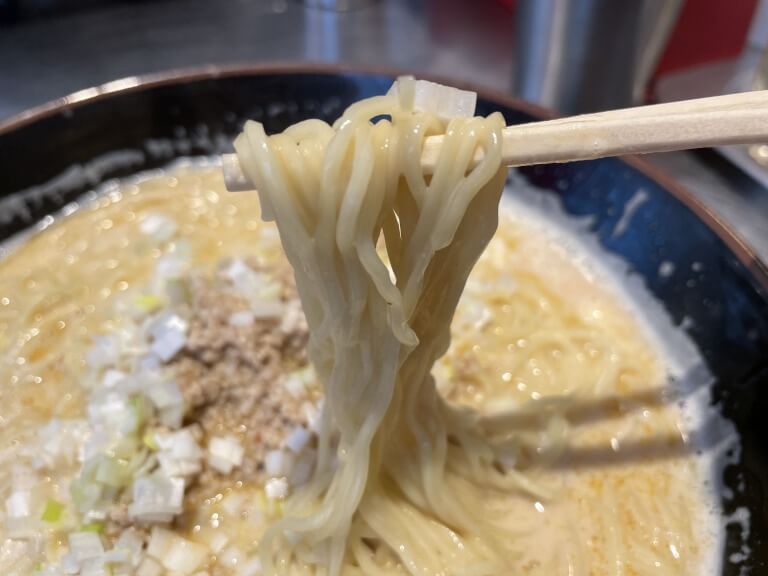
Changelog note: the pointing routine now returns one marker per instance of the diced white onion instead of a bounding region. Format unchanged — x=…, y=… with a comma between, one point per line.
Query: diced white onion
x=269, y=293
x=160, y=542
x=165, y=394
x=159, y=227
x=298, y=439
x=179, y=454
x=164, y=322
x=149, y=363
x=444, y=101
x=95, y=515
x=156, y=498
x=175, y=553
x=109, y=409
x=178, y=467
x=170, y=336
x=117, y=556
x=112, y=377
x=70, y=564
x=225, y=453
x=237, y=269
x=172, y=416
x=23, y=528
x=295, y=386
x=18, y=504
x=130, y=542
x=293, y=317
x=104, y=352
x=112, y=472
x=266, y=309
x=245, y=279
x=307, y=374
x=276, y=488
x=149, y=567
x=241, y=318
x=168, y=266
x=94, y=567
x=85, y=545
x=179, y=444
x=278, y=463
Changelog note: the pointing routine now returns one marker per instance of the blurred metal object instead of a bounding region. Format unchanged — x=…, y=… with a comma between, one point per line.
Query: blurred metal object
x=658, y=22
x=588, y=55
x=467, y=41
x=339, y=5
x=751, y=73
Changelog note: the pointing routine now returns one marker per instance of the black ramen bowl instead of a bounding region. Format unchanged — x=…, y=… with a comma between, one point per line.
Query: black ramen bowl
x=718, y=290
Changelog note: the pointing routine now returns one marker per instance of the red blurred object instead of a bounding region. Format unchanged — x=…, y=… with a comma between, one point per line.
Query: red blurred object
x=707, y=31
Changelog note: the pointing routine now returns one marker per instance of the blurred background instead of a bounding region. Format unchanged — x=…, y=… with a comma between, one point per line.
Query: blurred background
x=568, y=55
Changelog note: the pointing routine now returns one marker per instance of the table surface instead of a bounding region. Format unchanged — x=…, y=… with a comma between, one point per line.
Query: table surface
x=42, y=59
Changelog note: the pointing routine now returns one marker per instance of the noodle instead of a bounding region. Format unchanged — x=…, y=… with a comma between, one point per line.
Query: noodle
x=389, y=446
x=506, y=434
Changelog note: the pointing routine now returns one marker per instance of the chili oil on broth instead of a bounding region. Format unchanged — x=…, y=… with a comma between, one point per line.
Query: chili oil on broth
x=620, y=492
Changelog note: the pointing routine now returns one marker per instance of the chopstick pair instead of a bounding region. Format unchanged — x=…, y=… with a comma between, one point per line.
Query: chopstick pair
x=731, y=119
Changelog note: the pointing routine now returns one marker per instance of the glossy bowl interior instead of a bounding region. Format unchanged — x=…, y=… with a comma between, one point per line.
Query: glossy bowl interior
x=50, y=156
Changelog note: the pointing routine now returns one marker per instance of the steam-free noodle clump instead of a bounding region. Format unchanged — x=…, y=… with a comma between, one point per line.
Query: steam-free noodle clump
x=398, y=468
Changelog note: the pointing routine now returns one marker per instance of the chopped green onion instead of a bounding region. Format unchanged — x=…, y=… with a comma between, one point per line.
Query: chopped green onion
x=178, y=291
x=150, y=441
x=97, y=527
x=141, y=408
x=149, y=302
x=113, y=472
x=125, y=448
x=271, y=291
x=52, y=511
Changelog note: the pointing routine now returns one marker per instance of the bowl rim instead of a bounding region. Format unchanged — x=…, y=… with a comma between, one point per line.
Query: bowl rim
x=725, y=231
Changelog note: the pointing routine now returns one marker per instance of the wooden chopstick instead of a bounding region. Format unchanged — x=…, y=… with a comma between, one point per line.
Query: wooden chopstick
x=731, y=119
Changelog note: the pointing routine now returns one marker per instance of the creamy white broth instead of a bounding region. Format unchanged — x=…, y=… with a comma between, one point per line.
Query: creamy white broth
x=535, y=323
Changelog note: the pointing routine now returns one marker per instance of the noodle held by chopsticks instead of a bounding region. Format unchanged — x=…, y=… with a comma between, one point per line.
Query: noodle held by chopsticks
x=387, y=472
